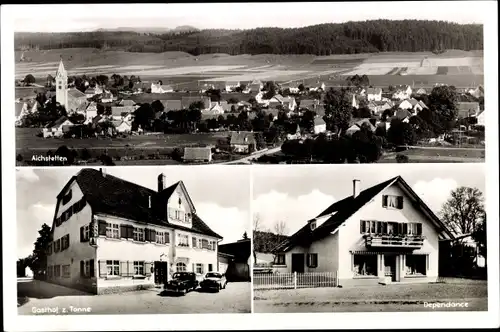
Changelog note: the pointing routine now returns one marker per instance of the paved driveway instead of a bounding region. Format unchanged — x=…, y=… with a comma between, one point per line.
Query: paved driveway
x=401, y=297
x=236, y=298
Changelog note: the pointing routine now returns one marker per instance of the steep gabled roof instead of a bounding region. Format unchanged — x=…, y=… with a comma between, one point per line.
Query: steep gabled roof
x=342, y=210
x=108, y=194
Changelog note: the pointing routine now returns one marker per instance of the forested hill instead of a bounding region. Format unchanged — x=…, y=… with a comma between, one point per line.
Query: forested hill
x=323, y=39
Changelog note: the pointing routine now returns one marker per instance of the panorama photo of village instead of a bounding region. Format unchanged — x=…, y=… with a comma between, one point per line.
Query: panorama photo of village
x=378, y=91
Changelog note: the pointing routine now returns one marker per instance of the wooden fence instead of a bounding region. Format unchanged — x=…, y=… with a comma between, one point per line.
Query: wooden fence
x=295, y=280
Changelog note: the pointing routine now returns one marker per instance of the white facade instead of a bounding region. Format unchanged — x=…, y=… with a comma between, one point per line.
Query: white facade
x=343, y=249
x=107, y=253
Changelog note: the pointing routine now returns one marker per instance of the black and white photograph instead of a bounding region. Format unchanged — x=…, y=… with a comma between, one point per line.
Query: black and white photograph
x=133, y=241
x=139, y=91
x=363, y=172
x=370, y=238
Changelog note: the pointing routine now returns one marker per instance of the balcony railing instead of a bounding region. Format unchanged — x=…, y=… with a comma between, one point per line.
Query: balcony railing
x=394, y=241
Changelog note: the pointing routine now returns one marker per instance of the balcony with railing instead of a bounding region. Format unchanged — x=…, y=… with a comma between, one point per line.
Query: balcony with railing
x=399, y=241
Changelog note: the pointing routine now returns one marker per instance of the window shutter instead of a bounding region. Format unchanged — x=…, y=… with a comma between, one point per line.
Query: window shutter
x=419, y=229
x=123, y=268
x=400, y=202
x=102, y=227
x=147, y=269
x=167, y=237
x=67, y=241
x=130, y=232
x=362, y=226
x=82, y=268
x=130, y=269
x=384, y=201
x=123, y=231
x=81, y=234
x=147, y=234
x=384, y=227
x=192, y=267
x=405, y=228
x=194, y=241
x=152, y=236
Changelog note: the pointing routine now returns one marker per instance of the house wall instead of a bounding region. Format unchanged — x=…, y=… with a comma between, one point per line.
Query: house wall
x=77, y=250
x=130, y=250
x=185, y=207
x=328, y=254
x=350, y=238
x=319, y=128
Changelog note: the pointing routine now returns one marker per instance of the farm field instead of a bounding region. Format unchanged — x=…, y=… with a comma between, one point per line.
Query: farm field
x=185, y=71
x=28, y=142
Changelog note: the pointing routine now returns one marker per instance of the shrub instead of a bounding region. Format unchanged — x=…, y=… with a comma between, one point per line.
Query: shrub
x=402, y=158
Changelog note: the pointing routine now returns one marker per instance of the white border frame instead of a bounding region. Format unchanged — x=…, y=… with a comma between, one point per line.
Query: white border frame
x=14, y=322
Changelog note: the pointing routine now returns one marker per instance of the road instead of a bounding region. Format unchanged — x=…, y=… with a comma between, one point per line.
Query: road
x=246, y=160
x=440, y=147
x=236, y=298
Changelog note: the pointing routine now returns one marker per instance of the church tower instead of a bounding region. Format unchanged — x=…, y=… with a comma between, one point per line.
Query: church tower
x=62, y=85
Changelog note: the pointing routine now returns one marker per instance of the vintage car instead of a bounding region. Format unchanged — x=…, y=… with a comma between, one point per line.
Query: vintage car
x=182, y=282
x=214, y=281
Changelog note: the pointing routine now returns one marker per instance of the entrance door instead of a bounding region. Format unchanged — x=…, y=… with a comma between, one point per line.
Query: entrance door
x=161, y=272
x=298, y=263
x=390, y=266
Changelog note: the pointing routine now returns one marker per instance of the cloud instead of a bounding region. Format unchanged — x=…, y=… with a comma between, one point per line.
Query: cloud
x=294, y=211
x=230, y=223
x=435, y=192
x=27, y=174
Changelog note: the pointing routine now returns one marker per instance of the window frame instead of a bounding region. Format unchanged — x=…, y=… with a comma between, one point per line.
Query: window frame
x=201, y=267
x=139, y=234
x=86, y=232
x=312, y=260
x=139, y=265
x=280, y=261
x=181, y=242
x=180, y=264
x=159, y=237
x=115, y=267
x=375, y=259
x=87, y=268
x=112, y=230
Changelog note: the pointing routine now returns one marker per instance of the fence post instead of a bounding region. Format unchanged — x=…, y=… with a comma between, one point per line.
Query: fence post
x=295, y=280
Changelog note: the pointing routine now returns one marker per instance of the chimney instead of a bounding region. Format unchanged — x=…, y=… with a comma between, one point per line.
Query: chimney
x=161, y=182
x=103, y=172
x=355, y=188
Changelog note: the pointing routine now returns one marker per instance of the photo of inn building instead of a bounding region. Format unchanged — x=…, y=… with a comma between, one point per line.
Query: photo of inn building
x=111, y=235
x=383, y=234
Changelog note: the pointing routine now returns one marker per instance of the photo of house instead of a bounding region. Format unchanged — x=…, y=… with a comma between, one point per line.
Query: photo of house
x=118, y=232
x=352, y=232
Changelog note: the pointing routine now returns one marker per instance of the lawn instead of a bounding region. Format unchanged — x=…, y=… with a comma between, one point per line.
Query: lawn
x=144, y=146
x=438, y=155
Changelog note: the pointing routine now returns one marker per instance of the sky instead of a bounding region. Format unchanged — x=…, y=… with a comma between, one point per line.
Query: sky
x=62, y=18
x=295, y=194
x=221, y=201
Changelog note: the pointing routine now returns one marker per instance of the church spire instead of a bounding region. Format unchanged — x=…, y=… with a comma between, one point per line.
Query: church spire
x=61, y=71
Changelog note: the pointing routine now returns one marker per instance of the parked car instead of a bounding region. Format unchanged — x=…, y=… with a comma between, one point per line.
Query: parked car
x=214, y=281
x=182, y=282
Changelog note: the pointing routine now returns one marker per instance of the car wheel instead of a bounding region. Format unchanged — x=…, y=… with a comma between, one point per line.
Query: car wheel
x=225, y=285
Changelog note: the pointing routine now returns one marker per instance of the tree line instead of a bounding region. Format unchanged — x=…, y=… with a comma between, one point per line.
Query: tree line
x=322, y=39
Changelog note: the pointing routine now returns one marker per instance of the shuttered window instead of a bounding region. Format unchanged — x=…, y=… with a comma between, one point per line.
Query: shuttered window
x=139, y=268
x=312, y=260
x=113, y=268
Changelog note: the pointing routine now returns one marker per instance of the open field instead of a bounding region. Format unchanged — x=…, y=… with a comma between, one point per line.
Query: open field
x=27, y=143
x=441, y=154
x=183, y=70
